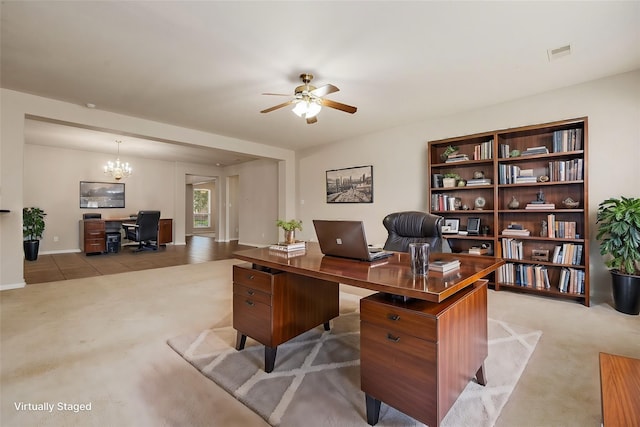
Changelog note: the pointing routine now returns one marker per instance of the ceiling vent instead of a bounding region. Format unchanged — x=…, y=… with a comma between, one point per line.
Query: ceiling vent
x=559, y=52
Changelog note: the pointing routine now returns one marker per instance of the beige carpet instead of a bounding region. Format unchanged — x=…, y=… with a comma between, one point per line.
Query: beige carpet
x=316, y=380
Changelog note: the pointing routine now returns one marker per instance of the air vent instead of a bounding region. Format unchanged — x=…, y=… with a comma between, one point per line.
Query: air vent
x=559, y=52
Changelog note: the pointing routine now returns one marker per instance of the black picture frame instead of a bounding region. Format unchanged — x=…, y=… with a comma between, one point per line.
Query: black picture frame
x=350, y=185
x=473, y=225
x=102, y=195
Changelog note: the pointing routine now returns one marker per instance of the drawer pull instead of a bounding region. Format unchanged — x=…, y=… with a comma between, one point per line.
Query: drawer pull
x=392, y=338
x=251, y=277
x=249, y=302
x=393, y=316
x=250, y=292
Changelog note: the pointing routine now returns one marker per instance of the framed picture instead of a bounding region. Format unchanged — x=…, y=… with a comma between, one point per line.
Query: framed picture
x=350, y=185
x=97, y=195
x=451, y=226
x=473, y=226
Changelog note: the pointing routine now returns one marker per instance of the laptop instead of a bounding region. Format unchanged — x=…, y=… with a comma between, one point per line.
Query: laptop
x=346, y=239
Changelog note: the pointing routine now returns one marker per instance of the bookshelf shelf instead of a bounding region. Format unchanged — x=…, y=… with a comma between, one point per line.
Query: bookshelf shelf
x=554, y=155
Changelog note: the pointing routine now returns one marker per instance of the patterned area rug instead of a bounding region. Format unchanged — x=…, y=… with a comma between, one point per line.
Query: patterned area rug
x=316, y=380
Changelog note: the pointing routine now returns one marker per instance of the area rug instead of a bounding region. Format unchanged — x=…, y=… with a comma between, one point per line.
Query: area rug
x=316, y=380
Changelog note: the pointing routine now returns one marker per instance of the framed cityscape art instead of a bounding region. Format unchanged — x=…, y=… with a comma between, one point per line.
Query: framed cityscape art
x=350, y=185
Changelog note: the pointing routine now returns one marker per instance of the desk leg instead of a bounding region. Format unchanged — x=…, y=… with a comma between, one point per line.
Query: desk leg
x=327, y=326
x=373, y=410
x=269, y=358
x=241, y=340
x=480, y=375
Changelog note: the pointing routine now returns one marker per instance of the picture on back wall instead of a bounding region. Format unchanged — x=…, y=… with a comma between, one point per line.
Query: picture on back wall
x=350, y=185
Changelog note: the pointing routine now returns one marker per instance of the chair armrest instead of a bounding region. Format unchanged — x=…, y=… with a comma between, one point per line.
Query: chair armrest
x=126, y=225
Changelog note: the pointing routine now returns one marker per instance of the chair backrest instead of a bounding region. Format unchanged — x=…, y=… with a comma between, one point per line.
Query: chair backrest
x=413, y=227
x=148, y=225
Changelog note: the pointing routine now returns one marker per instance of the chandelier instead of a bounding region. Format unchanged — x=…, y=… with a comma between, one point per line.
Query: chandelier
x=118, y=169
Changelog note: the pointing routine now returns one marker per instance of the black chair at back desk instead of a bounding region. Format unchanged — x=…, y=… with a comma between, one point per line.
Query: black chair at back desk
x=144, y=231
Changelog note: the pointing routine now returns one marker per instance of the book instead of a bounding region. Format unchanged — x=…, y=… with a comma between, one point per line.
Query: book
x=444, y=266
x=515, y=232
x=540, y=206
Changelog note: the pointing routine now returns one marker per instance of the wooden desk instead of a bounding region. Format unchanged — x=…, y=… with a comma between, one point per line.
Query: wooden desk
x=93, y=232
x=438, y=323
x=620, y=389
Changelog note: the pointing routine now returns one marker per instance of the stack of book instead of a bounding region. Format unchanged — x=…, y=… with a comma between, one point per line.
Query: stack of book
x=289, y=247
x=516, y=232
x=457, y=158
x=535, y=150
x=477, y=250
x=478, y=181
x=444, y=266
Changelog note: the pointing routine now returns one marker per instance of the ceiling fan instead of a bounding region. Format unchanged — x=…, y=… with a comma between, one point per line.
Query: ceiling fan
x=308, y=100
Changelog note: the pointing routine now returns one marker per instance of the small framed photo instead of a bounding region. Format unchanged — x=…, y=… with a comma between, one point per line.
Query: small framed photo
x=451, y=226
x=473, y=226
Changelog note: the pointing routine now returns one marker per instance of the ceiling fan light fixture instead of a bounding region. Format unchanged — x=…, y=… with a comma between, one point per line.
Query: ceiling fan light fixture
x=307, y=108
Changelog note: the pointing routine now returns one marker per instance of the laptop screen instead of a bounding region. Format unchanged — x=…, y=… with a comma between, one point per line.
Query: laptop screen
x=342, y=238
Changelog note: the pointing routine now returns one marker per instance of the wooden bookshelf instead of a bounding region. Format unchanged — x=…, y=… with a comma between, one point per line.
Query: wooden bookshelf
x=553, y=170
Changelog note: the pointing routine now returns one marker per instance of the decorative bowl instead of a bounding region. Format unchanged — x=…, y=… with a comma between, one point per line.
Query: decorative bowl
x=570, y=203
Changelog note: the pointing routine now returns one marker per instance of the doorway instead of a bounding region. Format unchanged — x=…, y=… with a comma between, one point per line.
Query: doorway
x=201, y=218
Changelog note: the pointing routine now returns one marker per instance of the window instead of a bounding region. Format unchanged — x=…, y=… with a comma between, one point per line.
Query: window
x=201, y=208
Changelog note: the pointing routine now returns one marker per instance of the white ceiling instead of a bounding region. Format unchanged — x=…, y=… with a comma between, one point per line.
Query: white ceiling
x=204, y=65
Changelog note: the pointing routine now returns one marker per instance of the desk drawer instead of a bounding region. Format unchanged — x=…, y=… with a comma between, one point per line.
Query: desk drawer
x=252, y=318
x=94, y=225
x=94, y=246
x=255, y=279
x=251, y=294
x=402, y=373
x=389, y=316
x=94, y=234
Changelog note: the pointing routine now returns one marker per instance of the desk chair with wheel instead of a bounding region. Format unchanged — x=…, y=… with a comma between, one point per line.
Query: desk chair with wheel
x=144, y=231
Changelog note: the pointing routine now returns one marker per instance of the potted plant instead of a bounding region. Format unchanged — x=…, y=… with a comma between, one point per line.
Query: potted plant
x=619, y=235
x=450, y=180
x=32, y=229
x=450, y=150
x=289, y=228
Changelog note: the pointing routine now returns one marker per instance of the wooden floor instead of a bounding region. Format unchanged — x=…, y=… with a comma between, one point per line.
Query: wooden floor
x=49, y=268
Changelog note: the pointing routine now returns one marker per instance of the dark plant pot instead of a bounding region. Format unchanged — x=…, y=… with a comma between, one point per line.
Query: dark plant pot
x=626, y=292
x=31, y=249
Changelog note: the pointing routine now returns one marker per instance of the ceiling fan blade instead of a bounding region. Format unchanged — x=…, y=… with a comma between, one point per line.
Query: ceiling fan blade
x=284, y=104
x=277, y=94
x=312, y=120
x=338, y=106
x=324, y=90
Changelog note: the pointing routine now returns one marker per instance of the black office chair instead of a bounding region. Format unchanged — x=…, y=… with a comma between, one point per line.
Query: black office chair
x=413, y=227
x=144, y=231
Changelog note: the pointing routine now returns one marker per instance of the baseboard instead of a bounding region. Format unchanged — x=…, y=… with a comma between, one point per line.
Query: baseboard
x=12, y=286
x=65, y=251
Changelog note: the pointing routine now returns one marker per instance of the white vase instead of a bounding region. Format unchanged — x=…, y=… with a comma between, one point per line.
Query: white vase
x=448, y=182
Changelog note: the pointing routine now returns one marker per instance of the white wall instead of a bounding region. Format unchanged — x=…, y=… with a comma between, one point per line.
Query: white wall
x=399, y=155
x=15, y=106
x=263, y=200
x=55, y=189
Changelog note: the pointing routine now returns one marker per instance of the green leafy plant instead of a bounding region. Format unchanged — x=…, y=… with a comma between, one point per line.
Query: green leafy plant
x=32, y=223
x=452, y=175
x=619, y=234
x=448, y=151
x=291, y=225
